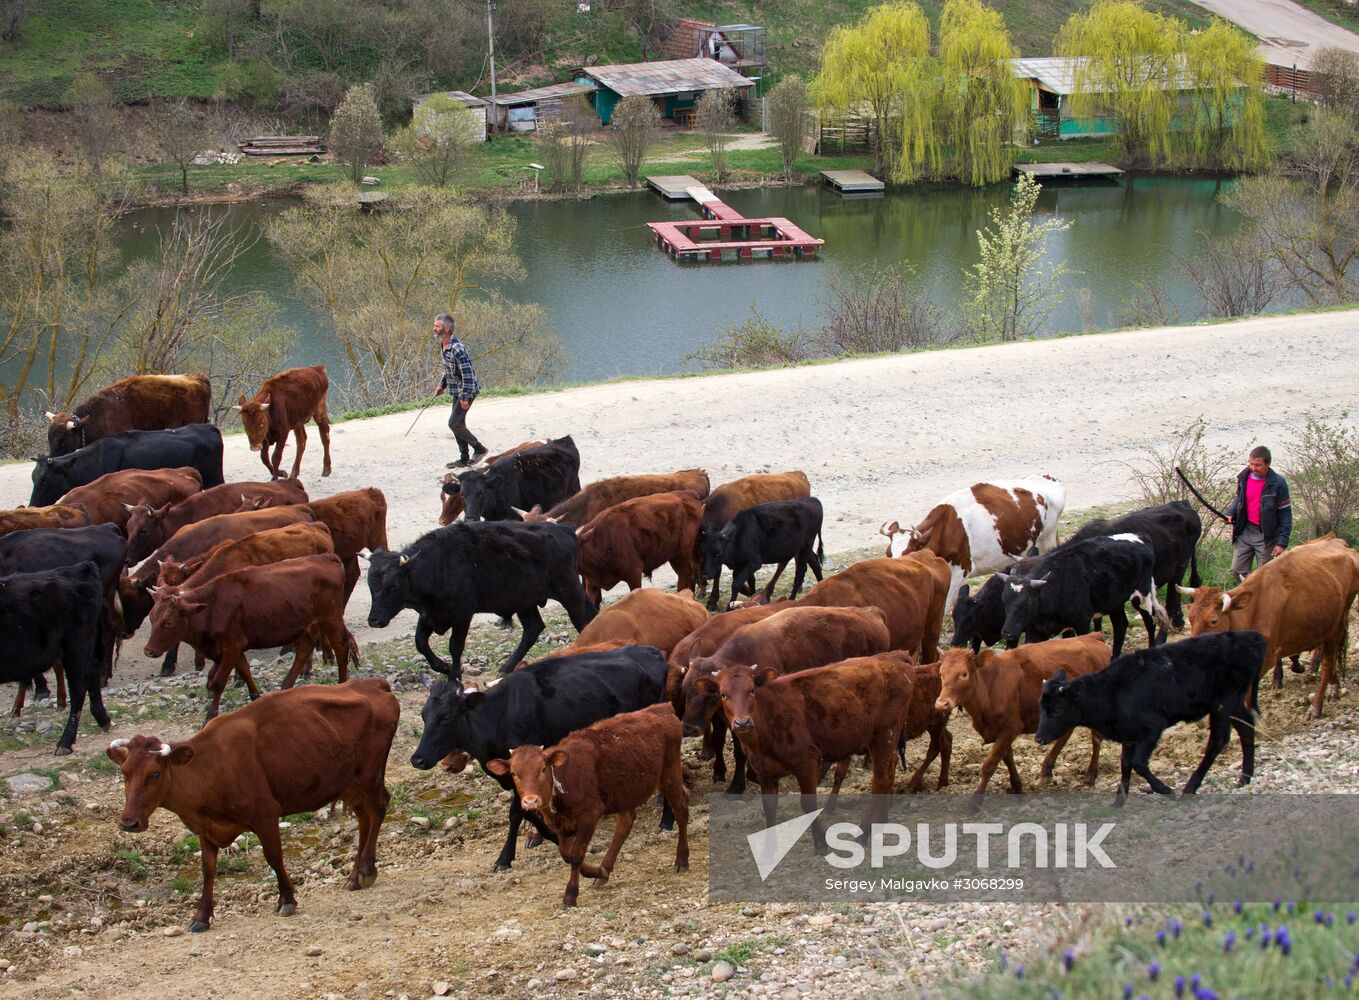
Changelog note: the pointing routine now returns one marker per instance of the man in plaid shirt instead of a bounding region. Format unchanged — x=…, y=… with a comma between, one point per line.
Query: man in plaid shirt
x=459, y=379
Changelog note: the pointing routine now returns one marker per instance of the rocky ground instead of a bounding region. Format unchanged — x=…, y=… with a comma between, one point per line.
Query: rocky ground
x=87, y=910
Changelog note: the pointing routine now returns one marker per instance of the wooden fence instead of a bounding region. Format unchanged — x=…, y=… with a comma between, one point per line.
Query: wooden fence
x=1295, y=81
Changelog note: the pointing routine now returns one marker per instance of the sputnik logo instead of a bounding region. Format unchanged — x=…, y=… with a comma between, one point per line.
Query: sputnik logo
x=770, y=846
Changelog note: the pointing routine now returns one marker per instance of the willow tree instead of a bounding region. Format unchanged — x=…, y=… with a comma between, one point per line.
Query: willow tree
x=980, y=101
x=1227, y=81
x=1129, y=69
x=881, y=65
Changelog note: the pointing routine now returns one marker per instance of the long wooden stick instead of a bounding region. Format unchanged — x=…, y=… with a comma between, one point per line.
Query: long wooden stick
x=417, y=418
x=1197, y=495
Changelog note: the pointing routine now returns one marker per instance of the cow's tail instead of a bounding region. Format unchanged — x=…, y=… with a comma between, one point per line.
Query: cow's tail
x=820, y=548
x=688, y=776
x=1342, y=649
x=1194, y=579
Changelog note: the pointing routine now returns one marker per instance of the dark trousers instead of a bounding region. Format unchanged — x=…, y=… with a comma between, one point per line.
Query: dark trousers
x=457, y=423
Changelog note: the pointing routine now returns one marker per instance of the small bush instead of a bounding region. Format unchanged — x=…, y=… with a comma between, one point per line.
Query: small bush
x=1323, y=476
x=880, y=310
x=1211, y=470
x=756, y=343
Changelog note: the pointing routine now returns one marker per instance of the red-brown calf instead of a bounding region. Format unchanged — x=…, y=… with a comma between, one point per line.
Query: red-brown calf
x=289, y=752
x=58, y=515
x=611, y=768
x=1000, y=692
x=149, y=528
x=627, y=542
x=926, y=717
x=599, y=496
x=284, y=404
x=259, y=549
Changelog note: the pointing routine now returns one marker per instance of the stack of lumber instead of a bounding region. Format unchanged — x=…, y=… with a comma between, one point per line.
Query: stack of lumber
x=282, y=145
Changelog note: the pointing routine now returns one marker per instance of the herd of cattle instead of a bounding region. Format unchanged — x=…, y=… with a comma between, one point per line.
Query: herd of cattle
x=132, y=521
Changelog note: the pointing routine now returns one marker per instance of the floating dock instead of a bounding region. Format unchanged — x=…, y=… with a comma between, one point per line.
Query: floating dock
x=673, y=187
x=853, y=181
x=724, y=233
x=1071, y=171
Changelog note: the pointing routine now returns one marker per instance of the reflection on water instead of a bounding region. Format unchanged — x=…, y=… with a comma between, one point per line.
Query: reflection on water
x=621, y=306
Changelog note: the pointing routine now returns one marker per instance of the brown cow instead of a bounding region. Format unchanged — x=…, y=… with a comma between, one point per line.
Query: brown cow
x=113, y=497
x=138, y=403
x=649, y=617
x=260, y=549
x=194, y=540
x=258, y=607
x=599, y=496
x=1298, y=601
x=629, y=541
x=450, y=488
x=731, y=498
x=150, y=528
x=790, y=640
x=289, y=752
x=1000, y=692
x=926, y=717
x=796, y=724
x=610, y=768
x=285, y=403
x=911, y=592
x=57, y=515
x=357, y=521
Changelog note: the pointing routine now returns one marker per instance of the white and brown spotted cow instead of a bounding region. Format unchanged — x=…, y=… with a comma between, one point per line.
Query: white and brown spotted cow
x=985, y=528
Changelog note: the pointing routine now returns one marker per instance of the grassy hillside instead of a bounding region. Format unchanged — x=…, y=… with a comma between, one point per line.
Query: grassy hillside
x=168, y=48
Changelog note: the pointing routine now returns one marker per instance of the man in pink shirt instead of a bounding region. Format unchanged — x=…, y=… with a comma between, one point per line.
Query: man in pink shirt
x=1261, y=514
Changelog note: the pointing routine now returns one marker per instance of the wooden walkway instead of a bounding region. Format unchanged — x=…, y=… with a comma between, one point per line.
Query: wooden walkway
x=673, y=187
x=724, y=233
x=853, y=181
x=1073, y=171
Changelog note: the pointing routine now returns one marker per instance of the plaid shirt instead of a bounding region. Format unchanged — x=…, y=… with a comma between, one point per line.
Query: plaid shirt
x=459, y=375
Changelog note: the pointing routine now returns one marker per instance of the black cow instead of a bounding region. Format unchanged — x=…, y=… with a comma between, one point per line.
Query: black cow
x=1073, y=583
x=39, y=550
x=979, y=620
x=538, y=704
x=50, y=616
x=502, y=568
x=197, y=445
x=1143, y=693
x=772, y=532
x=1173, y=530
x=545, y=475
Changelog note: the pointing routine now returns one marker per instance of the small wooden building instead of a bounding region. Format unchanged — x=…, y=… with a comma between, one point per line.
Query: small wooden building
x=674, y=84
x=475, y=105
x=525, y=110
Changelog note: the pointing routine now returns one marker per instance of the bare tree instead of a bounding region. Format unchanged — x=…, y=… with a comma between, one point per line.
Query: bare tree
x=355, y=131
x=636, y=122
x=11, y=12
x=881, y=310
x=181, y=134
x=1235, y=276
x=1337, y=73
x=788, y=119
x=566, y=142
x=714, y=117
x=1149, y=305
x=96, y=124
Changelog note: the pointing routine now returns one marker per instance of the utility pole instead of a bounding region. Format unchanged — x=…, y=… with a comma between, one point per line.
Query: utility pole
x=490, y=47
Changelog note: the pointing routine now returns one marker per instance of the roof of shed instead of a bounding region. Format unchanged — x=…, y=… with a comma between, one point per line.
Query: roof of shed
x=672, y=76
x=460, y=96
x=542, y=93
x=1058, y=73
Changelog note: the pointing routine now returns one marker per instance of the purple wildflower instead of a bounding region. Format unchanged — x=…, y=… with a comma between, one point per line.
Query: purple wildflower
x=1205, y=994
x=1127, y=991
x=1175, y=928
x=1161, y=938
x=1154, y=971
x=1068, y=959
x=1179, y=986
x=1350, y=917
x=1196, y=982
x=1237, y=906
x=1318, y=917
x=1228, y=941
x=1207, y=919
x=1019, y=972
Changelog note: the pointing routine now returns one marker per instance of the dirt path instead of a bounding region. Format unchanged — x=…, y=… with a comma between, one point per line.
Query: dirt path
x=1289, y=33
x=881, y=438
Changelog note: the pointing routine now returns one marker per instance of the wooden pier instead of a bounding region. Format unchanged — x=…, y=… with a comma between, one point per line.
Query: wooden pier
x=1069, y=171
x=673, y=187
x=724, y=233
x=853, y=181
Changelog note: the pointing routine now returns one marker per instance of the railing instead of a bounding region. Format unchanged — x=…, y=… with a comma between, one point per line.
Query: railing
x=1294, y=80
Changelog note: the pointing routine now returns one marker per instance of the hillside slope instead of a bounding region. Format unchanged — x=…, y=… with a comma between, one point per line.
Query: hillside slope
x=145, y=49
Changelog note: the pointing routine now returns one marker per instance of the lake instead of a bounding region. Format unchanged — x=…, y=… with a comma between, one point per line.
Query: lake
x=621, y=306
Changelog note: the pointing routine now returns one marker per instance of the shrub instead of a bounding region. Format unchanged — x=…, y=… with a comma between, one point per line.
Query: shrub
x=1323, y=476
x=755, y=343
x=879, y=310
x=1211, y=470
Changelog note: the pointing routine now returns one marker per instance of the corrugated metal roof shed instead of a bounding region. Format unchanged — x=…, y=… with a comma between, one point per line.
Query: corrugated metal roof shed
x=541, y=94
x=1058, y=73
x=461, y=96
x=674, y=76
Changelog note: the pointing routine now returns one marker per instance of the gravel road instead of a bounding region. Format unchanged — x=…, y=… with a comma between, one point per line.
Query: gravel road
x=1289, y=33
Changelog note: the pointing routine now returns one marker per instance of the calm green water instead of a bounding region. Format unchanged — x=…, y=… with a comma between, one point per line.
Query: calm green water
x=621, y=306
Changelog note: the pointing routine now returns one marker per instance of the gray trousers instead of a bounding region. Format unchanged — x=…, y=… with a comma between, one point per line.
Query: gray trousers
x=1250, y=550
x=457, y=423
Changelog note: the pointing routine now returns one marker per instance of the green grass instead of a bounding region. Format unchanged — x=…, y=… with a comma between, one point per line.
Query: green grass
x=738, y=954
x=139, y=48
x=1227, y=956
x=133, y=859
x=1336, y=11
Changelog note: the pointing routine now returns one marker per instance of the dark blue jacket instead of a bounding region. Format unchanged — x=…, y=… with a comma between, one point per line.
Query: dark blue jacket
x=1276, y=509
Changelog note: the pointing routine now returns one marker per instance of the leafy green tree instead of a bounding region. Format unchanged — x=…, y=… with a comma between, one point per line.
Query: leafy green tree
x=1012, y=290
x=355, y=131
x=96, y=124
x=713, y=118
x=881, y=66
x=980, y=100
x=1130, y=70
x=1226, y=78
x=437, y=140
x=788, y=119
